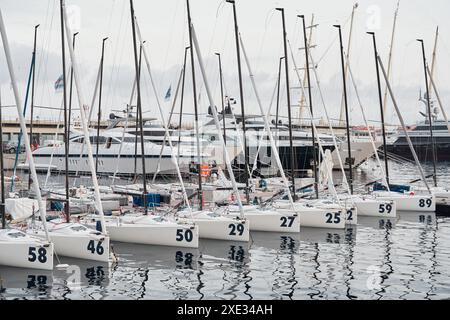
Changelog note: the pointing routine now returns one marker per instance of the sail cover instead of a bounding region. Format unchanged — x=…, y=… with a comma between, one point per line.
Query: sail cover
x=21, y=208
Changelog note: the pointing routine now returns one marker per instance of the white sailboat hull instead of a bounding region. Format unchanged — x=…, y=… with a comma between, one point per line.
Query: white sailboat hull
x=218, y=227
x=376, y=208
x=320, y=218
x=442, y=195
x=330, y=218
x=82, y=247
x=269, y=220
x=18, y=255
x=405, y=202
x=155, y=235
x=148, y=230
x=351, y=214
x=77, y=241
x=367, y=206
x=25, y=252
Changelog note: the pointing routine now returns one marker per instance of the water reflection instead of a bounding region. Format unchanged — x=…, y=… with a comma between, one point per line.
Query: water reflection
x=411, y=252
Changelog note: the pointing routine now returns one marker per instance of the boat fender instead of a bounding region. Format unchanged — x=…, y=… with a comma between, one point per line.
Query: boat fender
x=98, y=226
x=114, y=257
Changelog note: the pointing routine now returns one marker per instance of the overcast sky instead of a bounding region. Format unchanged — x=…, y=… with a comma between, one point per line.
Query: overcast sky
x=164, y=27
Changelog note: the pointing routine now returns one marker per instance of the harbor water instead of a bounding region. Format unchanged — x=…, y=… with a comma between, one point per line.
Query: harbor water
x=403, y=258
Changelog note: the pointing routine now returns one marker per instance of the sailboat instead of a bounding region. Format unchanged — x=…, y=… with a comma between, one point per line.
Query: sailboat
x=72, y=239
x=368, y=204
x=17, y=248
x=284, y=215
x=261, y=218
x=317, y=212
x=435, y=131
x=363, y=204
x=143, y=227
x=213, y=225
x=404, y=199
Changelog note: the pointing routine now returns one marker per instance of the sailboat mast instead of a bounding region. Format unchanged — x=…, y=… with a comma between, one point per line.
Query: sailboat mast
x=167, y=135
x=380, y=99
x=344, y=83
x=430, y=118
x=66, y=129
x=136, y=122
x=99, y=114
x=267, y=127
x=288, y=96
x=241, y=96
x=182, y=101
x=164, y=122
x=371, y=136
x=70, y=90
x=278, y=93
x=391, y=49
x=216, y=121
x=308, y=77
x=303, y=96
x=138, y=103
x=84, y=122
x=194, y=88
x=438, y=97
x=2, y=173
x=16, y=159
x=32, y=95
x=408, y=139
x=433, y=61
x=355, y=6
x=222, y=99
x=23, y=127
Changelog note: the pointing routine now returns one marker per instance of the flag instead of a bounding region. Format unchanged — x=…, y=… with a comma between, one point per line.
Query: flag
x=168, y=94
x=59, y=84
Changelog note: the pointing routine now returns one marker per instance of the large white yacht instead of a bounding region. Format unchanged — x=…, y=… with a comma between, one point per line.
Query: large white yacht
x=118, y=152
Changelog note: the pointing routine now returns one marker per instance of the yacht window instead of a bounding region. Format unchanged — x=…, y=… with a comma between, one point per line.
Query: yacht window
x=154, y=133
x=132, y=139
x=108, y=143
x=101, y=139
x=78, y=140
x=435, y=127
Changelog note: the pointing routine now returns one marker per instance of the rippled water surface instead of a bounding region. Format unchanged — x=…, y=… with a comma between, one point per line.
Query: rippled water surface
x=403, y=258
